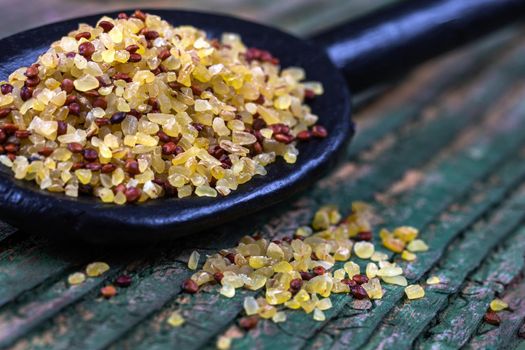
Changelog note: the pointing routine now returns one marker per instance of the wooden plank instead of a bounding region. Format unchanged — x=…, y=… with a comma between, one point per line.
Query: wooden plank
x=506, y=335
x=88, y=321
x=428, y=206
x=26, y=314
x=346, y=329
x=178, y=336
x=398, y=329
x=26, y=262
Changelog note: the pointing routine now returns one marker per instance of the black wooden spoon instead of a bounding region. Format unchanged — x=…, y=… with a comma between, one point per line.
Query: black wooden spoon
x=367, y=51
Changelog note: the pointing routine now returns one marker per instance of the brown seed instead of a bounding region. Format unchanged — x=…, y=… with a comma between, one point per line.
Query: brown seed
x=134, y=57
x=163, y=137
x=153, y=102
x=151, y=34
x=106, y=26
x=4, y=112
x=169, y=148
x=67, y=85
x=90, y=155
x=100, y=102
x=75, y=147
x=280, y=129
x=492, y=317
x=198, y=126
x=61, y=128
x=349, y=282
x=358, y=292
x=26, y=93
x=135, y=113
x=94, y=166
x=230, y=257
x=102, y=121
x=309, y=94
x=78, y=165
x=22, y=134
x=74, y=108
x=319, y=131
x=360, y=279
x=257, y=148
x=70, y=99
x=46, y=151
x=86, y=49
x=306, y=276
x=248, y=322
x=85, y=35
x=132, y=194
x=295, y=285
x=9, y=128
x=132, y=48
x=260, y=99
x=91, y=94
x=108, y=168
x=132, y=167
x=163, y=54
x=319, y=270
x=123, y=281
x=32, y=81
x=117, y=118
x=190, y=286
x=258, y=124
x=11, y=148
x=140, y=15
x=218, y=276
x=304, y=135
x=286, y=139
x=364, y=236
x=119, y=188
x=122, y=76
x=6, y=89
x=31, y=71
x=108, y=291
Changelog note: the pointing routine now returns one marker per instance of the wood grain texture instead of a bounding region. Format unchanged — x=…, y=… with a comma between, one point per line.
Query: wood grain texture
x=457, y=123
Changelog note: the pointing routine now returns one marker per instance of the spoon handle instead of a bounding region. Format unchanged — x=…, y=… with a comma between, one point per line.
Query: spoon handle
x=386, y=43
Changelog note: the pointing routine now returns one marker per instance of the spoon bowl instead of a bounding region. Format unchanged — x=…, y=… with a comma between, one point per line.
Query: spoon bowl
x=25, y=206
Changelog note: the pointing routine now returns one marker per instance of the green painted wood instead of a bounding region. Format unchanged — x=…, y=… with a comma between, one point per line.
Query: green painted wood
x=27, y=262
x=31, y=311
x=506, y=335
x=226, y=322
x=346, y=330
x=94, y=323
x=428, y=207
x=178, y=336
x=467, y=310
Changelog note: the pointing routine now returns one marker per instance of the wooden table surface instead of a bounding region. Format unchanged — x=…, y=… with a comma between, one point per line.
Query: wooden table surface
x=443, y=151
